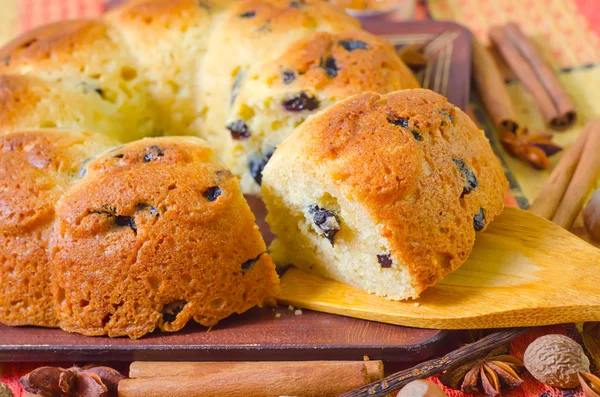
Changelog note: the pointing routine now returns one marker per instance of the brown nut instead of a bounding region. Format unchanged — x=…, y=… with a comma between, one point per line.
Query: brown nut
x=5, y=391
x=421, y=388
x=556, y=360
x=591, y=216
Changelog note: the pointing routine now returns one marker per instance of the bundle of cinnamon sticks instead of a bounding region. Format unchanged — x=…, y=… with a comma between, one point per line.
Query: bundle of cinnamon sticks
x=563, y=196
x=242, y=379
x=538, y=77
x=535, y=74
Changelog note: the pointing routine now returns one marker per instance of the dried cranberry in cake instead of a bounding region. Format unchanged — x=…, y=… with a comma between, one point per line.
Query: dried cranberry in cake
x=248, y=264
x=470, y=178
x=479, y=220
x=288, y=76
x=248, y=14
x=153, y=153
x=239, y=129
x=399, y=121
x=329, y=66
x=326, y=221
x=212, y=193
x=385, y=261
x=257, y=163
x=301, y=102
x=351, y=45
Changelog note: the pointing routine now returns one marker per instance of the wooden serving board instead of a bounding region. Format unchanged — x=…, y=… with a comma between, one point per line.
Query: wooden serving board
x=260, y=334
x=523, y=271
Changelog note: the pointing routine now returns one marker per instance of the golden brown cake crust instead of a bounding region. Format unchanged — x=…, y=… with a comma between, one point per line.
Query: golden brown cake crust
x=35, y=169
x=154, y=235
x=346, y=63
x=405, y=157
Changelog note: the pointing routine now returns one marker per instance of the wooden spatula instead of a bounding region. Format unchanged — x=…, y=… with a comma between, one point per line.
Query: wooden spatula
x=523, y=271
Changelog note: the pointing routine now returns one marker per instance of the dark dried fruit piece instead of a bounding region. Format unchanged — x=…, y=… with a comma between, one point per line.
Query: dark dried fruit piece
x=297, y=4
x=257, y=164
x=248, y=264
x=416, y=135
x=330, y=67
x=399, y=121
x=301, y=102
x=327, y=221
x=212, y=193
x=100, y=92
x=448, y=115
x=239, y=130
x=351, y=45
x=385, y=261
x=288, y=76
x=479, y=220
x=153, y=153
x=470, y=178
x=126, y=221
x=248, y=14
x=172, y=310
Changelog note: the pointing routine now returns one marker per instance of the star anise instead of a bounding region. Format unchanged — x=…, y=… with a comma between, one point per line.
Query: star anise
x=489, y=375
x=531, y=148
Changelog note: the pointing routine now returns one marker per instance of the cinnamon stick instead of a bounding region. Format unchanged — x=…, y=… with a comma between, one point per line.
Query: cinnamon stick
x=583, y=179
x=535, y=74
x=550, y=196
x=315, y=380
x=565, y=107
x=491, y=88
x=436, y=366
x=153, y=369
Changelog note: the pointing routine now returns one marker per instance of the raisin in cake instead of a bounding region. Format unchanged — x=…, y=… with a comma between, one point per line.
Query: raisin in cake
x=277, y=96
x=101, y=239
x=383, y=192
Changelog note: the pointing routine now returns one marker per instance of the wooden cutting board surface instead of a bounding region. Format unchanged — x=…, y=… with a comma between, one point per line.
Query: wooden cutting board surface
x=260, y=334
x=523, y=271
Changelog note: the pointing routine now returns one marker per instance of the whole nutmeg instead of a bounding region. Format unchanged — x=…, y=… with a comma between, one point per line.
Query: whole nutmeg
x=5, y=391
x=421, y=388
x=591, y=216
x=556, y=360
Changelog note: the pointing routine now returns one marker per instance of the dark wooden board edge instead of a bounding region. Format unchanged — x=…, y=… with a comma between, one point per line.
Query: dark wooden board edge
x=449, y=67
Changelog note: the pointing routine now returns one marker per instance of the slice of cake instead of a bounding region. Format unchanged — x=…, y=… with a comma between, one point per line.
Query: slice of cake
x=383, y=192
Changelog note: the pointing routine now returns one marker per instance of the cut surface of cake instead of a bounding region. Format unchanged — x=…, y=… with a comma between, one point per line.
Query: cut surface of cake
x=383, y=192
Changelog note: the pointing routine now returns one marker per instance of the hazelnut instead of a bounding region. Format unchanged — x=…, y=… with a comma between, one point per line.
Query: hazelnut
x=5, y=391
x=556, y=360
x=421, y=388
x=591, y=216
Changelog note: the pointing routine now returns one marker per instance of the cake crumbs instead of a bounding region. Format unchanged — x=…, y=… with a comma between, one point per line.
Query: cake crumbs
x=290, y=307
x=298, y=312
x=277, y=315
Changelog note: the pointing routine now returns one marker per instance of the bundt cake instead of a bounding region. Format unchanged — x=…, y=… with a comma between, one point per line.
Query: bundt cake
x=102, y=239
x=240, y=74
x=383, y=192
